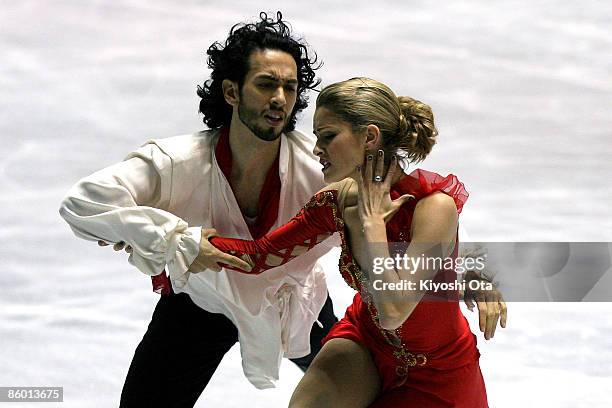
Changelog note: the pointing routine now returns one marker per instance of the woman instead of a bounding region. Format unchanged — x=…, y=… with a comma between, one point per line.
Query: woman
x=394, y=348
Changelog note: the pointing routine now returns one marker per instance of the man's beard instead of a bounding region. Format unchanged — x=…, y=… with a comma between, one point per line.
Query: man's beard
x=249, y=117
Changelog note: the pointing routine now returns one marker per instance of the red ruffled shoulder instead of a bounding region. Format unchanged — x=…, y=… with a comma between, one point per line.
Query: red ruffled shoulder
x=422, y=183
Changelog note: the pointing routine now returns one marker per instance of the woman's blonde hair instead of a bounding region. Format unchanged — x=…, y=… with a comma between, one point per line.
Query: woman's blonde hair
x=406, y=125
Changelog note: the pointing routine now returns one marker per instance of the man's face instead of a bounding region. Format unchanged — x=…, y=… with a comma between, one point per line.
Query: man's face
x=269, y=93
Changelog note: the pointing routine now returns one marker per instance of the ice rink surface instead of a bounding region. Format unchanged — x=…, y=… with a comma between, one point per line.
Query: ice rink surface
x=522, y=93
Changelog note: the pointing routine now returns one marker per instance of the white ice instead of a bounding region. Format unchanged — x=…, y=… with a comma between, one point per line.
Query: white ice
x=522, y=93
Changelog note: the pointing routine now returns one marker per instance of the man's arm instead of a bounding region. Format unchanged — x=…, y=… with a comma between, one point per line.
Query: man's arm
x=123, y=203
x=489, y=300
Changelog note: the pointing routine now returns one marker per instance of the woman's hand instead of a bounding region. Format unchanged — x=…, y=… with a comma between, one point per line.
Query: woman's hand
x=209, y=257
x=375, y=204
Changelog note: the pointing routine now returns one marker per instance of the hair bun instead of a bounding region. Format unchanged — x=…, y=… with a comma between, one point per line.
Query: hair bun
x=403, y=124
x=416, y=127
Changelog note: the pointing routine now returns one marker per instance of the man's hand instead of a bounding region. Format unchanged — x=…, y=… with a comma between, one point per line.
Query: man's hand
x=491, y=309
x=209, y=257
x=118, y=246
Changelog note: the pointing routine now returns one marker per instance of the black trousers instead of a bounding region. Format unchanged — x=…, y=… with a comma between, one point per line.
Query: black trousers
x=183, y=347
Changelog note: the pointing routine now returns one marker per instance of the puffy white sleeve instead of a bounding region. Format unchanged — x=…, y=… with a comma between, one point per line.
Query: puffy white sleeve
x=123, y=203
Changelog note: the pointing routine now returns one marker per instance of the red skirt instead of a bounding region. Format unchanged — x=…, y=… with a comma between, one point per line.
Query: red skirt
x=450, y=376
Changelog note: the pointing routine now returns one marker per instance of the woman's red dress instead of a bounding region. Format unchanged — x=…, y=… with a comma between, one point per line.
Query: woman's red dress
x=431, y=360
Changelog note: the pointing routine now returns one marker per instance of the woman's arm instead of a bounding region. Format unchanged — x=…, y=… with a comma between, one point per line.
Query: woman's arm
x=433, y=231
x=314, y=223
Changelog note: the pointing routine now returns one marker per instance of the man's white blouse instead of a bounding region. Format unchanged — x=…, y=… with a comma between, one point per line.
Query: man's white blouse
x=157, y=201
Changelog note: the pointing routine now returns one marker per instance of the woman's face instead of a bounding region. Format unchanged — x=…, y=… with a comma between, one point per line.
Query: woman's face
x=339, y=149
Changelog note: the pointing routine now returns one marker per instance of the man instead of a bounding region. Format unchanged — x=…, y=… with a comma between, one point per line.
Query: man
x=250, y=173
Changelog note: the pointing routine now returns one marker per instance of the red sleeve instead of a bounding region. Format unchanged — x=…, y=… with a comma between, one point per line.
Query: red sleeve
x=315, y=222
x=431, y=182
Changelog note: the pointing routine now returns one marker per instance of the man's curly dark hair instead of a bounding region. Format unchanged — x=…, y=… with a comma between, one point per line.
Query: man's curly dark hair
x=231, y=61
